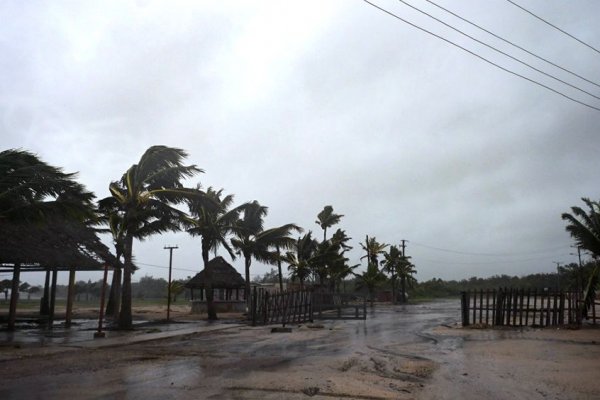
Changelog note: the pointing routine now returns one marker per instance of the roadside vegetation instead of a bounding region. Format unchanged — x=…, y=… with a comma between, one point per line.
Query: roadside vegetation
x=150, y=198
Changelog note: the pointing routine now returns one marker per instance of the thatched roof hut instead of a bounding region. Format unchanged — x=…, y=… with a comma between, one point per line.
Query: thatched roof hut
x=224, y=276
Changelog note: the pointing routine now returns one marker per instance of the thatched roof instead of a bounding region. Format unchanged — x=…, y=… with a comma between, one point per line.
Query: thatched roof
x=57, y=244
x=223, y=274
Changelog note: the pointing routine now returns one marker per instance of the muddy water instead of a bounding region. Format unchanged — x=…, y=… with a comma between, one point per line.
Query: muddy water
x=397, y=353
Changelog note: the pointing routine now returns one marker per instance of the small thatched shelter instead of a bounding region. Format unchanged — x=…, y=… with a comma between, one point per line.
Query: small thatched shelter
x=228, y=286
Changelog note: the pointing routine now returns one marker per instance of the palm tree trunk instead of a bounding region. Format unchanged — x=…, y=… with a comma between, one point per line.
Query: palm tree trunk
x=125, y=317
x=210, y=303
x=247, y=262
x=393, y=287
x=403, y=284
x=114, y=297
x=279, y=270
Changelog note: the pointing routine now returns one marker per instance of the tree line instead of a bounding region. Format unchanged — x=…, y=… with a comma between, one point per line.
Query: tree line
x=148, y=198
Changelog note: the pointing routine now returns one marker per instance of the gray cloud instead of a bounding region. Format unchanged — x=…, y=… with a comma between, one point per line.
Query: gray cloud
x=318, y=103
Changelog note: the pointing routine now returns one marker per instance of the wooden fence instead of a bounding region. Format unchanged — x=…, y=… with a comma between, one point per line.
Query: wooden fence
x=294, y=307
x=327, y=305
x=289, y=307
x=520, y=307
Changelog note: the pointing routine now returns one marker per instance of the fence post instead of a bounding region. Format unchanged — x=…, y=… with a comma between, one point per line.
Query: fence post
x=464, y=302
x=253, y=306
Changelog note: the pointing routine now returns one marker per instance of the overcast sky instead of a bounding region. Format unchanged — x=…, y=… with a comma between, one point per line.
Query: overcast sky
x=303, y=104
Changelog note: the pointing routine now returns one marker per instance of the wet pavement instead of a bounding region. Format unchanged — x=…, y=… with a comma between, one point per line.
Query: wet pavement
x=238, y=361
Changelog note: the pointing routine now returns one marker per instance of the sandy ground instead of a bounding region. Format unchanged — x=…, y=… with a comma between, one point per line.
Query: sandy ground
x=398, y=353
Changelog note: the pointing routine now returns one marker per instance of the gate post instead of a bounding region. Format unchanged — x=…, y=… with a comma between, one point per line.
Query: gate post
x=464, y=303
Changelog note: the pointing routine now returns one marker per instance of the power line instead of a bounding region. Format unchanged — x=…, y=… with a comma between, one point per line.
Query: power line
x=541, y=251
x=514, y=44
x=499, y=51
x=522, y=260
x=554, y=26
x=483, y=58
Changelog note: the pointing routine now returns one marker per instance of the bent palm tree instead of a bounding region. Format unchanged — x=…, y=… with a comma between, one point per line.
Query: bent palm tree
x=254, y=242
x=584, y=227
x=213, y=221
x=144, y=198
x=326, y=219
x=391, y=261
x=34, y=191
x=301, y=259
x=373, y=249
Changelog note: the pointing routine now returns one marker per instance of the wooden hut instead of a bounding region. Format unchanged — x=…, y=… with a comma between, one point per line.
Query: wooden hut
x=228, y=286
x=57, y=245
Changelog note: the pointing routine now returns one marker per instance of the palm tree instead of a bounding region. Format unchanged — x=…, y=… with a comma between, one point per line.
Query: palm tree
x=213, y=221
x=116, y=228
x=145, y=197
x=405, y=270
x=373, y=249
x=370, y=279
x=390, y=263
x=33, y=191
x=326, y=219
x=301, y=259
x=264, y=245
x=584, y=227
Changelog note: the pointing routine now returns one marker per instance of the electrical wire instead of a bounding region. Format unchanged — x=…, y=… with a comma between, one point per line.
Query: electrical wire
x=482, y=58
x=454, y=262
x=499, y=51
x=554, y=26
x=541, y=251
x=513, y=44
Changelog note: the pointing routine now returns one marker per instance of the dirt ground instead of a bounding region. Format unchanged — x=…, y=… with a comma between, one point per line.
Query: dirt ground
x=408, y=352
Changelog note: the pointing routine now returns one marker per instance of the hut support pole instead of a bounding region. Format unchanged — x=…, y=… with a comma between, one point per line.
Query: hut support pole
x=70, y=296
x=99, y=333
x=45, y=302
x=14, y=296
x=52, y=298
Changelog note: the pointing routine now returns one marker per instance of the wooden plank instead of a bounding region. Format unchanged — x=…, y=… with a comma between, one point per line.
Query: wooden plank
x=494, y=299
x=535, y=296
x=521, y=310
x=474, y=306
x=527, y=307
x=464, y=307
x=481, y=306
x=487, y=306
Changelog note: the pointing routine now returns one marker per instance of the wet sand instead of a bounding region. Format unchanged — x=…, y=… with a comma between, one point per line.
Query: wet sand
x=401, y=352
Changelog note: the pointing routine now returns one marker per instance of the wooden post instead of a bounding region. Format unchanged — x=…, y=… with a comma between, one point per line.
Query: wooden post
x=70, y=296
x=464, y=303
x=487, y=306
x=52, y=298
x=99, y=333
x=494, y=298
x=527, y=308
x=45, y=301
x=253, y=306
x=498, y=309
x=534, y=306
x=14, y=297
x=474, y=306
x=521, y=311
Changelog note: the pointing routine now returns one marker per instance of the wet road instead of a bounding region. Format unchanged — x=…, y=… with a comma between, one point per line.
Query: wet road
x=387, y=356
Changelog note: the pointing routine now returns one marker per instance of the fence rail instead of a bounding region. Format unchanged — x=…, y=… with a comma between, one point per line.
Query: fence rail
x=288, y=307
x=294, y=307
x=520, y=307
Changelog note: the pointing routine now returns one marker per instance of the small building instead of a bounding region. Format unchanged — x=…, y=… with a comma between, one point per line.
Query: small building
x=228, y=288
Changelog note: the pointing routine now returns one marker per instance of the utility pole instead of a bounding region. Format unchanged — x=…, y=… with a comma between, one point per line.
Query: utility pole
x=403, y=246
x=170, y=248
x=557, y=274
